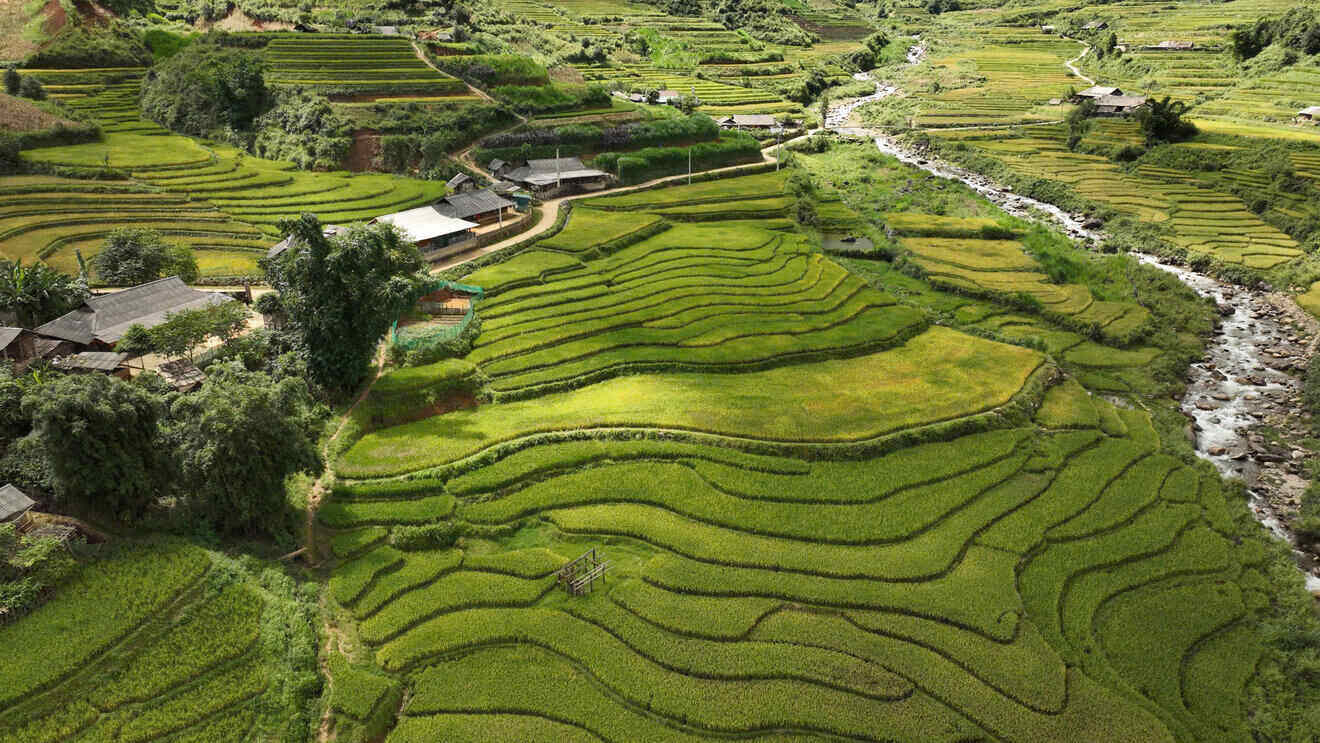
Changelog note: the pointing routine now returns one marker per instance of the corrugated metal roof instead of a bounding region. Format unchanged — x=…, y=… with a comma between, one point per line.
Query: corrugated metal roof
x=328, y=230
x=1121, y=101
x=106, y=317
x=1310, y=111
x=13, y=502
x=425, y=223
x=1099, y=90
x=93, y=361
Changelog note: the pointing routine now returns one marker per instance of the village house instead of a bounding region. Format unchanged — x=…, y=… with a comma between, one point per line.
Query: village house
x=749, y=122
x=18, y=345
x=431, y=231
x=552, y=176
x=103, y=319
x=483, y=207
x=668, y=97
x=461, y=183
x=1095, y=92
x=1309, y=115
x=1118, y=105
x=1095, y=26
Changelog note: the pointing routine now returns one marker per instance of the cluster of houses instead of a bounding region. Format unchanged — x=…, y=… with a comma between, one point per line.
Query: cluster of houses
x=83, y=340
x=551, y=176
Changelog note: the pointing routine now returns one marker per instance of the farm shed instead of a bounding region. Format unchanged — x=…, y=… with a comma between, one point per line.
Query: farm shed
x=17, y=344
x=1118, y=105
x=102, y=320
x=497, y=167
x=182, y=374
x=276, y=250
x=1173, y=46
x=748, y=121
x=551, y=175
x=1096, y=26
x=14, y=505
x=428, y=228
x=668, y=97
x=95, y=362
x=1309, y=114
x=482, y=206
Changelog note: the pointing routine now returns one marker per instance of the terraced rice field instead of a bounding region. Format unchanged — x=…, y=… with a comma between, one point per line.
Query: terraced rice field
x=1200, y=219
x=220, y=202
x=1001, y=268
x=1005, y=77
x=917, y=543
x=183, y=646
x=356, y=64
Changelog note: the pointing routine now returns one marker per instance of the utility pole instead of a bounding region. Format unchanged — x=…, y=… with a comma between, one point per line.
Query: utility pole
x=779, y=149
x=558, y=181
x=689, y=165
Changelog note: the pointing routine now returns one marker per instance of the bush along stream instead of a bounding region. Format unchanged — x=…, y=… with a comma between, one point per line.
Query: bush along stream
x=1246, y=401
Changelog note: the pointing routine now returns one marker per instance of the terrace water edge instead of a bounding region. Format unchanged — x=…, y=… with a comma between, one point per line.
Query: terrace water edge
x=1238, y=351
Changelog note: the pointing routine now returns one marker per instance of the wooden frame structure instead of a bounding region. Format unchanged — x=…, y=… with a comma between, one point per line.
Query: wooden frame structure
x=580, y=574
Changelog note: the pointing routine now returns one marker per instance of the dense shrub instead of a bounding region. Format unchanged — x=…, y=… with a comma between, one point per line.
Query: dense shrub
x=133, y=255
x=165, y=44
x=427, y=536
x=117, y=45
x=302, y=128
x=1297, y=30
x=205, y=87
x=529, y=99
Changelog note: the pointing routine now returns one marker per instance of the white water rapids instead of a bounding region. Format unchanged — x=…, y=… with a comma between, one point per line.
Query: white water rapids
x=1233, y=380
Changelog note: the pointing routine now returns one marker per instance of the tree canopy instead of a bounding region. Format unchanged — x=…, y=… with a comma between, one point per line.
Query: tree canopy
x=342, y=293
x=1162, y=121
x=101, y=439
x=37, y=293
x=206, y=87
x=237, y=440
x=136, y=255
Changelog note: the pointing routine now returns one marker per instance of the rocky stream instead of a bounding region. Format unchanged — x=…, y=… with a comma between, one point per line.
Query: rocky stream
x=1242, y=402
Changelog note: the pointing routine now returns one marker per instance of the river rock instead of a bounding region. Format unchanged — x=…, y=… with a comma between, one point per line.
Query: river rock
x=1205, y=405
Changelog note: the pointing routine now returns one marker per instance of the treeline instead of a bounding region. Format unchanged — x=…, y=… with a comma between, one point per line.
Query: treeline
x=656, y=162
x=1297, y=30
x=576, y=139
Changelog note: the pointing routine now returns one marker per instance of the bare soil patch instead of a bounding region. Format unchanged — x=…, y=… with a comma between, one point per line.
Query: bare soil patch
x=364, y=151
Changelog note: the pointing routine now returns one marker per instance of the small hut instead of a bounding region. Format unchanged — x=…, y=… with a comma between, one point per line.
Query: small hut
x=182, y=374
x=14, y=506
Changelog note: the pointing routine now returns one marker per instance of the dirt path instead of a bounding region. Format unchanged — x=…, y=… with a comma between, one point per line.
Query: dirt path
x=318, y=488
x=421, y=54
x=1072, y=64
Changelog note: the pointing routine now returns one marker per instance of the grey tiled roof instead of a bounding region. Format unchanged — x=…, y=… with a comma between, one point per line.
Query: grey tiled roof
x=13, y=502
x=464, y=205
x=105, y=317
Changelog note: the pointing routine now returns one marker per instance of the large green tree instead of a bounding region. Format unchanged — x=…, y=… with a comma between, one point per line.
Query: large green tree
x=101, y=439
x=36, y=293
x=1162, y=121
x=136, y=255
x=342, y=292
x=237, y=439
x=206, y=87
